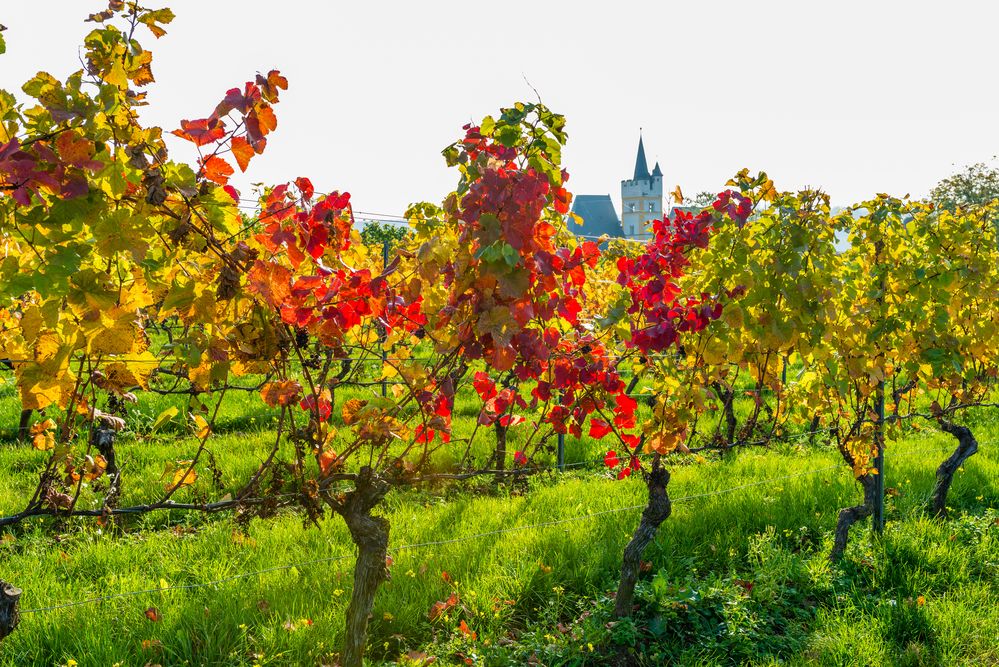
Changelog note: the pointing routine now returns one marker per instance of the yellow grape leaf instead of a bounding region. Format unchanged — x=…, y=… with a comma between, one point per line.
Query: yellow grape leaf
x=43, y=440
x=31, y=322
x=116, y=333
x=732, y=315
x=47, y=346
x=181, y=474
x=714, y=351
x=133, y=372
x=164, y=417
x=39, y=387
x=203, y=428
x=677, y=195
x=767, y=191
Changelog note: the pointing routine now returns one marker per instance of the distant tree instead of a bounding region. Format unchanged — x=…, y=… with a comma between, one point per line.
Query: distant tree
x=975, y=184
x=702, y=199
x=378, y=234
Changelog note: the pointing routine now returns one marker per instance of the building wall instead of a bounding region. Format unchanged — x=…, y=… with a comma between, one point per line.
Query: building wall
x=641, y=201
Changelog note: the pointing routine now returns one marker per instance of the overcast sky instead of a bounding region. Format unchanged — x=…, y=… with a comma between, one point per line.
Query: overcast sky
x=857, y=97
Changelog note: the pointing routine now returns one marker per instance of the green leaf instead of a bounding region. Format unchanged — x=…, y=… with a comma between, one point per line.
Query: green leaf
x=40, y=84
x=164, y=417
x=510, y=254
x=508, y=135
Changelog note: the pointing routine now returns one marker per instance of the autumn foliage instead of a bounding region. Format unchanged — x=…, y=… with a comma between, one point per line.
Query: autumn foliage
x=108, y=247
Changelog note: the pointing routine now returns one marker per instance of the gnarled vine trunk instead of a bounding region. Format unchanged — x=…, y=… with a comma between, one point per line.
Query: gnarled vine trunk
x=500, y=450
x=371, y=535
x=103, y=440
x=727, y=398
x=851, y=515
x=10, y=614
x=966, y=446
x=656, y=511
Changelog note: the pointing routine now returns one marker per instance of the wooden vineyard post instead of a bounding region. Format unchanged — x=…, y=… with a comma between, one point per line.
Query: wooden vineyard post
x=561, y=452
x=878, y=517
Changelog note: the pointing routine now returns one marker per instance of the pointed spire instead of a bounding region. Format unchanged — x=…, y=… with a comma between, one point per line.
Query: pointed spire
x=641, y=164
x=656, y=171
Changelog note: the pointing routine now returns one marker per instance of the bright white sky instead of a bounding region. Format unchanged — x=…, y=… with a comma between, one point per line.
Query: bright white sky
x=857, y=97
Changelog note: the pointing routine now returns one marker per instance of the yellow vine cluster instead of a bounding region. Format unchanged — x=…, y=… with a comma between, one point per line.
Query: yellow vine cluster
x=828, y=308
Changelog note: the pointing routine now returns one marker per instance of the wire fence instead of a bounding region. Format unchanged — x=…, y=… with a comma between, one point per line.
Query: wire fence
x=445, y=542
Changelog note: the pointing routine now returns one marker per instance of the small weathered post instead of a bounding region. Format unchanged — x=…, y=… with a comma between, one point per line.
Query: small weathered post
x=10, y=613
x=878, y=518
x=561, y=452
x=24, y=426
x=385, y=254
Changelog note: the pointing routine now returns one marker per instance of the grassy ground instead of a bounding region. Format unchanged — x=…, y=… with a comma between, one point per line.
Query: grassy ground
x=737, y=577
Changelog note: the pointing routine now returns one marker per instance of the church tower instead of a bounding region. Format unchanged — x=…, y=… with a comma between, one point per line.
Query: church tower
x=641, y=197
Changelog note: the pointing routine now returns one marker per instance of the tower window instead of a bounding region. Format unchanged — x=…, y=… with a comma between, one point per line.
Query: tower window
x=652, y=207
x=632, y=206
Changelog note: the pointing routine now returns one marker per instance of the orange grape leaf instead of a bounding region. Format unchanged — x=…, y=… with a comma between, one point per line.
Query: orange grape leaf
x=271, y=281
x=216, y=169
x=74, y=149
x=463, y=627
x=201, y=131
x=153, y=614
x=281, y=393
x=350, y=409
x=269, y=87
x=326, y=460
x=677, y=195
x=141, y=71
x=266, y=119
x=440, y=607
x=242, y=151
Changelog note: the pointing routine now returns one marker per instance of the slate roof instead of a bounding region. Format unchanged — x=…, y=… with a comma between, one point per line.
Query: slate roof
x=641, y=164
x=657, y=171
x=598, y=214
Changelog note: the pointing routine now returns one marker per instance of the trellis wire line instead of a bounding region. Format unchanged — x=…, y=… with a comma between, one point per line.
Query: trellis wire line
x=418, y=545
x=370, y=359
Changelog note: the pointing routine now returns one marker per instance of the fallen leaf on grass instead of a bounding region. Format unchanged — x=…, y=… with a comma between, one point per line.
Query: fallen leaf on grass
x=440, y=608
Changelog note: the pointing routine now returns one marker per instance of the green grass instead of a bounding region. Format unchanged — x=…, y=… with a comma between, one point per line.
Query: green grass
x=739, y=577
